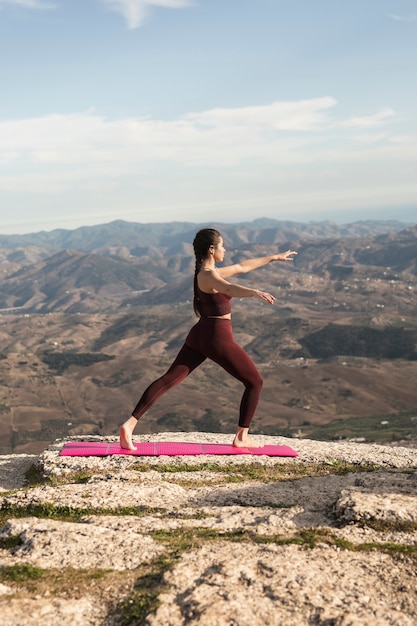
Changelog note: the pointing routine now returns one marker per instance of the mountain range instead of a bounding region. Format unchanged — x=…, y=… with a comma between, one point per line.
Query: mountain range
x=106, y=267
x=138, y=237
x=90, y=316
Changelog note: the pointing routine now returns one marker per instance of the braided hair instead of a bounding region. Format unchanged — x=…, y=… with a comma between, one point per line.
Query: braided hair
x=205, y=238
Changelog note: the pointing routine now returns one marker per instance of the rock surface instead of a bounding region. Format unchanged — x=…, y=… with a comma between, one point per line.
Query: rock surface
x=246, y=585
x=327, y=538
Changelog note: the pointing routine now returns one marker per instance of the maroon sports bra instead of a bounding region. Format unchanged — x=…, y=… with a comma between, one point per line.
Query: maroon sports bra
x=213, y=304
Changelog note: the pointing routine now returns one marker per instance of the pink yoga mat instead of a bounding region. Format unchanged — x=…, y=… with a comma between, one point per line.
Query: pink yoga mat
x=162, y=448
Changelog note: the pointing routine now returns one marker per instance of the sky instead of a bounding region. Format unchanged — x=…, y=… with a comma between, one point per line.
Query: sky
x=206, y=111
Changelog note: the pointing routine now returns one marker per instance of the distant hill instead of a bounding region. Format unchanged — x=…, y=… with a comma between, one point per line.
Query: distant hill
x=115, y=276
x=141, y=239
x=396, y=251
x=72, y=281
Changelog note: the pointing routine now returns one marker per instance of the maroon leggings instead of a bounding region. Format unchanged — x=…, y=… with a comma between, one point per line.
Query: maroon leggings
x=210, y=338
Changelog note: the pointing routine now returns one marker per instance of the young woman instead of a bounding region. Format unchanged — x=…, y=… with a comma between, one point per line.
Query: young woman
x=212, y=336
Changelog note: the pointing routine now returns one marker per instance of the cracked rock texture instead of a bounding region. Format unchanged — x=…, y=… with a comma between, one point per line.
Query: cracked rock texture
x=246, y=585
x=305, y=548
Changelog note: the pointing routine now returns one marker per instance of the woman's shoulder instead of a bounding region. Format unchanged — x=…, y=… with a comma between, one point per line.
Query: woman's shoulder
x=206, y=278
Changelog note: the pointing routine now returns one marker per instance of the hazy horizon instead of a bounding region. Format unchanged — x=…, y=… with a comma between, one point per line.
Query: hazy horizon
x=405, y=216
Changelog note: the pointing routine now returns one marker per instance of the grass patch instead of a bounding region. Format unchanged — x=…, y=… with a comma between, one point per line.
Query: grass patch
x=264, y=473
x=180, y=540
x=144, y=598
x=232, y=473
x=406, y=526
x=8, y=543
x=63, y=513
x=69, y=514
x=34, y=476
x=69, y=582
x=21, y=573
x=77, y=478
x=390, y=548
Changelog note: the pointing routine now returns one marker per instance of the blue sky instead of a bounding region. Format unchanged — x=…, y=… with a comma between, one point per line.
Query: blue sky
x=206, y=110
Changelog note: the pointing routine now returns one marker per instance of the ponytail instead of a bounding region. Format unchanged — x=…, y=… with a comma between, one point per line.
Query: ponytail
x=202, y=241
x=196, y=300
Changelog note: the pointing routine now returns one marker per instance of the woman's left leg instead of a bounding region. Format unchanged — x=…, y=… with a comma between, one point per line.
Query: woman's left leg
x=186, y=361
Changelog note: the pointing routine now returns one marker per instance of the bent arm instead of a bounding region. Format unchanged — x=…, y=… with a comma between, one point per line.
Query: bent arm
x=211, y=280
x=252, y=264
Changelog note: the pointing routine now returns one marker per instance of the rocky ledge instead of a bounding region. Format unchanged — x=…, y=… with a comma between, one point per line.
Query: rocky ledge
x=328, y=538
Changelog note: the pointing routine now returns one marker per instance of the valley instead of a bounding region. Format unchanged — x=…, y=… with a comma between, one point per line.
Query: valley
x=337, y=351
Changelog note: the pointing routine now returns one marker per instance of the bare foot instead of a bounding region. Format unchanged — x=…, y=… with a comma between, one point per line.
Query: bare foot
x=246, y=443
x=126, y=431
x=242, y=440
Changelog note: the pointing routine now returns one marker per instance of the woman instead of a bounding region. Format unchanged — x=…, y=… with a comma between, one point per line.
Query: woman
x=212, y=336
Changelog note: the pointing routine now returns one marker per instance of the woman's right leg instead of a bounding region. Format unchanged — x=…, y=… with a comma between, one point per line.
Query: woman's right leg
x=219, y=346
x=186, y=361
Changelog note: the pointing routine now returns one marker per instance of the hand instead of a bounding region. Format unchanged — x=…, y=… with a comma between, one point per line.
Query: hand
x=265, y=296
x=286, y=256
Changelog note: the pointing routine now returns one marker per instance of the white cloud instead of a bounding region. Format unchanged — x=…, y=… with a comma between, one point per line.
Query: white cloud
x=290, y=151
x=301, y=115
x=135, y=11
x=213, y=138
x=367, y=121
x=30, y=4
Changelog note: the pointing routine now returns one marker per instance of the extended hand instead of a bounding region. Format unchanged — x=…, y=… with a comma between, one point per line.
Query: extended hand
x=286, y=256
x=265, y=296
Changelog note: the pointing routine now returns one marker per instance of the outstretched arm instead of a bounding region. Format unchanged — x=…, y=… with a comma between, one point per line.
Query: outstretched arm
x=252, y=264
